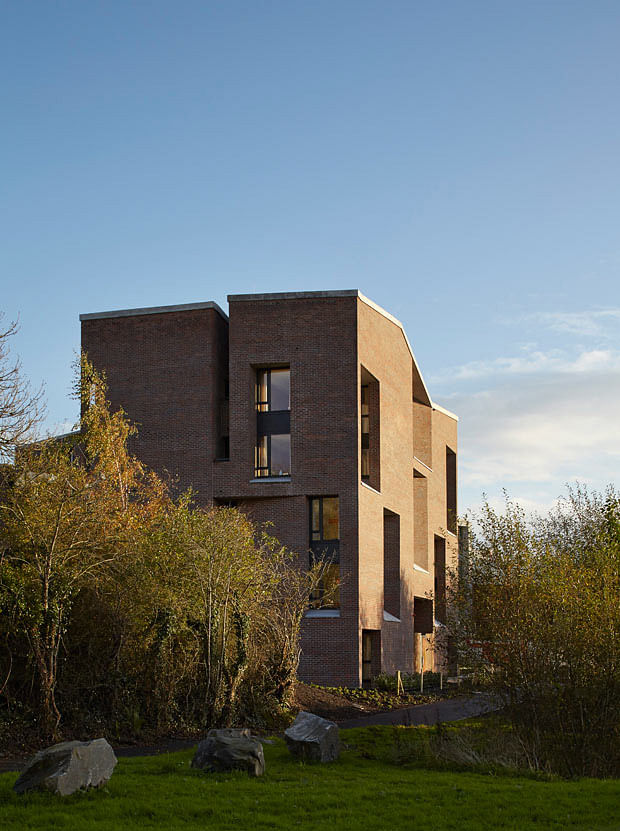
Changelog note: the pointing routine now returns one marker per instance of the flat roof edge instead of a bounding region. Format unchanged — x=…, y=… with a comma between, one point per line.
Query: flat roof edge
x=294, y=295
x=310, y=295
x=155, y=310
x=443, y=410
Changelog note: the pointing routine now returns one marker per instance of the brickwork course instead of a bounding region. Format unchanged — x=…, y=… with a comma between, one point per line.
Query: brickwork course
x=186, y=376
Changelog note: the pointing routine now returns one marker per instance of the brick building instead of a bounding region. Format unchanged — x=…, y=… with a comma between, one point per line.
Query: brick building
x=308, y=410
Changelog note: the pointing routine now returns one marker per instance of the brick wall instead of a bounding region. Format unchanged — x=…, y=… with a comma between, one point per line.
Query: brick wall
x=316, y=338
x=164, y=369
x=384, y=353
x=168, y=370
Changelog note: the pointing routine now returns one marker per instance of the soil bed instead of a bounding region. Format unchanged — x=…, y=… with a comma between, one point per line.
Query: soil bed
x=339, y=704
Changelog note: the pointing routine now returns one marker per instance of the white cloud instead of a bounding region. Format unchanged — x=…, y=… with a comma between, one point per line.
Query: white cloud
x=589, y=323
x=541, y=420
x=532, y=362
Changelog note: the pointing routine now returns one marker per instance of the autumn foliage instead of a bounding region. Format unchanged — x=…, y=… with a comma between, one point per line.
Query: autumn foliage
x=123, y=609
x=536, y=612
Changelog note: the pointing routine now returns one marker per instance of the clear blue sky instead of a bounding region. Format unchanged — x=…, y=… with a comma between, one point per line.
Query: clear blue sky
x=458, y=162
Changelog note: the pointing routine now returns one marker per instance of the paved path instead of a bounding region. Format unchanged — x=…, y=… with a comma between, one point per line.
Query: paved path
x=450, y=709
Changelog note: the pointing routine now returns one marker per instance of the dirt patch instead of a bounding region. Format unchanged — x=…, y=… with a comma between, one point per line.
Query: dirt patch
x=331, y=705
x=328, y=705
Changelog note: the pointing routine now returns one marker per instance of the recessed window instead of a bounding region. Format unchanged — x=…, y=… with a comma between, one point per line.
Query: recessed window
x=370, y=456
x=391, y=562
x=365, y=434
x=325, y=519
x=451, y=518
x=325, y=548
x=440, y=579
x=273, y=422
x=223, y=441
x=273, y=390
x=273, y=456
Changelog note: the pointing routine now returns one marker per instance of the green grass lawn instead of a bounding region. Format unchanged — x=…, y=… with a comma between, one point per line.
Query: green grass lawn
x=354, y=793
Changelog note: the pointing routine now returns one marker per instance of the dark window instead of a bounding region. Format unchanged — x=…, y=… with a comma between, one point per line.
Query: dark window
x=440, y=579
x=451, y=490
x=370, y=430
x=273, y=422
x=371, y=655
x=325, y=548
x=223, y=441
x=365, y=434
x=391, y=562
x=420, y=519
x=273, y=390
x=273, y=455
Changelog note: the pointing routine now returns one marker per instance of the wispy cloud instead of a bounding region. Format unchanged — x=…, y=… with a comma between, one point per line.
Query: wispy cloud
x=588, y=323
x=536, y=419
x=532, y=362
x=535, y=422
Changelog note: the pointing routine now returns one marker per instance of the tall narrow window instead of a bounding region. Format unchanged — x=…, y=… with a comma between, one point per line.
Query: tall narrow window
x=391, y=562
x=365, y=434
x=370, y=456
x=273, y=422
x=420, y=520
x=223, y=441
x=325, y=548
x=451, y=490
x=440, y=579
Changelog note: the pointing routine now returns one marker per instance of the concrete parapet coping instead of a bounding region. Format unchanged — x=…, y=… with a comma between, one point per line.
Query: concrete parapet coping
x=443, y=410
x=318, y=295
x=293, y=295
x=156, y=310
x=421, y=463
x=282, y=295
x=370, y=487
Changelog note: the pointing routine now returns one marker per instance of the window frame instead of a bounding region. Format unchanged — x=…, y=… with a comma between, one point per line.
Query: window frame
x=325, y=551
x=269, y=422
x=264, y=406
x=264, y=471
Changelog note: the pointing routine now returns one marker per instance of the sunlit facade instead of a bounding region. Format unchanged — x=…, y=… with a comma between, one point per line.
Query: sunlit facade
x=308, y=411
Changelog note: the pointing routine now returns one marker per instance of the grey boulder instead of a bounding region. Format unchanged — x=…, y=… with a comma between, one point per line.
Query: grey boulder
x=313, y=739
x=68, y=767
x=230, y=749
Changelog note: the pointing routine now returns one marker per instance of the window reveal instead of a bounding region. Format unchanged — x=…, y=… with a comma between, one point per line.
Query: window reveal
x=325, y=548
x=365, y=434
x=272, y=455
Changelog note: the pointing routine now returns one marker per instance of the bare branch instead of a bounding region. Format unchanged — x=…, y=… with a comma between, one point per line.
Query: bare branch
x=21, y=408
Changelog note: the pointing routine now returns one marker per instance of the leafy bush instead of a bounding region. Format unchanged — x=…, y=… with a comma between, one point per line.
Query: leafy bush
x=122, y=610
x=537, y=614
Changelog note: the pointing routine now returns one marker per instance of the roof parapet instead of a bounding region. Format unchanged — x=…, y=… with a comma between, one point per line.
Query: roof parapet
x=155, y=310
x=294, y=295
x=316, y=295
x=443, y=410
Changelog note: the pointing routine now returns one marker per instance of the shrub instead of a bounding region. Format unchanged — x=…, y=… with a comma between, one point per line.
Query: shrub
x=537, y=615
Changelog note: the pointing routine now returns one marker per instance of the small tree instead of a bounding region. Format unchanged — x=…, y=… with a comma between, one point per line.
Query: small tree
x=233, y=592
x=539, y=617
x=67, y=515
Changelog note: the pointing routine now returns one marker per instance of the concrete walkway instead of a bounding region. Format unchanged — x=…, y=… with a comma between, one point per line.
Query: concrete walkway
x=450, y=709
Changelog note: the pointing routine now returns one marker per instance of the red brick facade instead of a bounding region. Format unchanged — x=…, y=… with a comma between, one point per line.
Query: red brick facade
x=170, y=369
